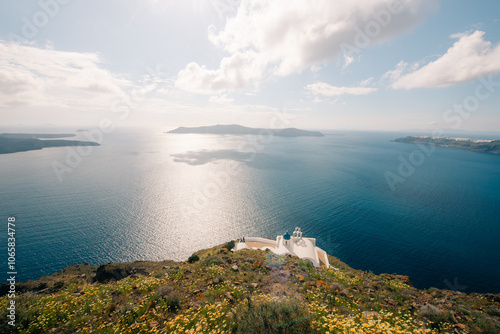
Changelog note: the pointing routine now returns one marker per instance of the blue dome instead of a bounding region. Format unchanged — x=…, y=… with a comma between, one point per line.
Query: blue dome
x=286, y=236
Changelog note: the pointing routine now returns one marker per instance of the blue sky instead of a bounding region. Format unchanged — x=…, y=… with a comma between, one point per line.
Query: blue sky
x=367, y=65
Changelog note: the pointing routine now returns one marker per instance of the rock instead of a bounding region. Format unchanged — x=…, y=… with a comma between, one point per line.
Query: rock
x=391, y=301
x=453, y=318
x=425, y=298
x=116, y=272
x=234, y=267
x=153, y=324
x=254, y=285
x=479, y=330
x=430, y=312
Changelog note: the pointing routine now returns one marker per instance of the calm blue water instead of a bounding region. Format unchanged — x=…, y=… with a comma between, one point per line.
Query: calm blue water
x=154, y=196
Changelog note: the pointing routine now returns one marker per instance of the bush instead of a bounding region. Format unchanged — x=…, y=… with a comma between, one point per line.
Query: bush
x=283, y=316
x=229, y=245
x=163, y=290
x=433, y=313
x=173, y=302
x=336, y=286
x=57, y=286
x=212, y=260
x=305, y=265
x=193, y=258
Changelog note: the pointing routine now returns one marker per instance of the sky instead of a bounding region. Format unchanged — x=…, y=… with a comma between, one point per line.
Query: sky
x=392, y=65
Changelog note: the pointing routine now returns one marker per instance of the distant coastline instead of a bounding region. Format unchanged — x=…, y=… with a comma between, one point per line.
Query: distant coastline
x=475, y=145
x=22, y=142
x=235, y=129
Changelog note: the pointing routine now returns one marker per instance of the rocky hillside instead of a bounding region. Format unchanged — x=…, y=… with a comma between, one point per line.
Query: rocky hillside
x=475, y=145
x=249, y=291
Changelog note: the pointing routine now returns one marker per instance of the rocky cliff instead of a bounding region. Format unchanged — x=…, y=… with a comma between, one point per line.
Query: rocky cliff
x=250, y=291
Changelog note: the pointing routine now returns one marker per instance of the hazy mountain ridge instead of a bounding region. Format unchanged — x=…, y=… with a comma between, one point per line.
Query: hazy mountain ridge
x=235, y=129
x=20, y=142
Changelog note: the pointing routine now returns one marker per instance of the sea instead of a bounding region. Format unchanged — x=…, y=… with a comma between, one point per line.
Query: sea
x=432, y=213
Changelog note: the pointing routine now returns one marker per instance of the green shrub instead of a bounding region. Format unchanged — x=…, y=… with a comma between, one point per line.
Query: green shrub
x=57, y=286
x=193, y=258
x=213, y=260
x=336, y=286
x=434, y=313
x=274, y=316
x=163, y=290
x=229, y=245
x=173, y=302
x=305, y=265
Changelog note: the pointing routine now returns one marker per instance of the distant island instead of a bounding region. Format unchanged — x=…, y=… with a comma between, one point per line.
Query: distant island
x=35, y=135
x=20, y=142
x=235, y=129
x=476, y=145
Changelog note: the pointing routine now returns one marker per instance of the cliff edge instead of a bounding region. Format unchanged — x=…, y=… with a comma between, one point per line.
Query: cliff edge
x=249, y=291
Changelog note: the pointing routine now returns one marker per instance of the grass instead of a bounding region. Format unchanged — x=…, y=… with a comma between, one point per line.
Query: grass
x=265, y=294
x=264, y=314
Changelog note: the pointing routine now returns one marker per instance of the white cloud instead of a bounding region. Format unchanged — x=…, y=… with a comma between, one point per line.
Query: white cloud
x=366, y=82
x=348, y=60
x=324, y=89
x=395, y=74
x=283, y=37
x=469, y=58
x=222, y=99
x=240, y=71
x=17, y=80
x=36, y=76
